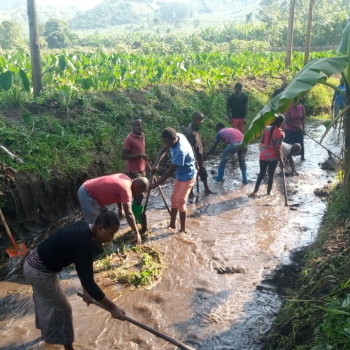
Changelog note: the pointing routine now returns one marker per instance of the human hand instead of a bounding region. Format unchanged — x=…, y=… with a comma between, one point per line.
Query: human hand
x=153, y=186
x=118, y=313
x=282, y=165
x=86, y=297
x=144, y=156
x=121, y=214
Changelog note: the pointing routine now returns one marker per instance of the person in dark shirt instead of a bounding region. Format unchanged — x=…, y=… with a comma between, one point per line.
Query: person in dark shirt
x=279, y=90
x=78, y=243
x=237, y=108
x=194, y=138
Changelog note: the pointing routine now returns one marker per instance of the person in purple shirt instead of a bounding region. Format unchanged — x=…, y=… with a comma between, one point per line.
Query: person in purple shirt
x=232, y=138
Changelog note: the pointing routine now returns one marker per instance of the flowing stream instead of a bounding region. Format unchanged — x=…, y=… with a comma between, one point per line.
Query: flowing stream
x=192, y=302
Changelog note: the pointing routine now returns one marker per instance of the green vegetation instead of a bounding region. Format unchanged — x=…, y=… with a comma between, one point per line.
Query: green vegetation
x=137, y=265
x=316, y=310
x=85, y=110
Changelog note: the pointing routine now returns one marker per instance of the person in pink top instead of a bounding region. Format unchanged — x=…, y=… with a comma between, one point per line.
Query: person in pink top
x=295, y=125
x=232, y=138
x=270, y=153
x=134, y=152
x=97, y=193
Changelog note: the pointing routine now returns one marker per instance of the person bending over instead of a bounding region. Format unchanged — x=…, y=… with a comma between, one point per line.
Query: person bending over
x=75, y=244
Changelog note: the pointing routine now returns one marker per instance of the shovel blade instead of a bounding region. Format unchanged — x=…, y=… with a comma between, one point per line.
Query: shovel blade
x=143, y=219
x=19, y=250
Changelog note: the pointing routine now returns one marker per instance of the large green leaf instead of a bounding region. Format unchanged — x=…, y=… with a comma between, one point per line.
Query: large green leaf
x=315, y=71
x=6, y=80
x=25, y=80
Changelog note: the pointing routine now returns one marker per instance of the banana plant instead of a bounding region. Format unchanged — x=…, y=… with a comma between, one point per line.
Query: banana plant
x=316, y=71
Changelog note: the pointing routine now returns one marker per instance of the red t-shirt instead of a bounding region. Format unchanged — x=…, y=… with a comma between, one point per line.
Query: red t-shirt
x=271, y=147
x=110, y=189
x=135, y=144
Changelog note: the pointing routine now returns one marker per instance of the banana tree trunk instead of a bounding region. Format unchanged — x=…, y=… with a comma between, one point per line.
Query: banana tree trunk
x=289, y=47
x=308, y=32
x=34, y=47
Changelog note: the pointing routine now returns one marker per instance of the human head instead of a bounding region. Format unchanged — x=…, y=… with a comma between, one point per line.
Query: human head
x=105, y=226
x=296, y=148
x=219, y=126
x=238, y=89
x=137, y=125
x=295, y=101
x=197, y=118
x=279, y=121
x=139, y=185
x=169, y=137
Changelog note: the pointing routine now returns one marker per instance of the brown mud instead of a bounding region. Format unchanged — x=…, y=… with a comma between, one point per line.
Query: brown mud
x=192, y=302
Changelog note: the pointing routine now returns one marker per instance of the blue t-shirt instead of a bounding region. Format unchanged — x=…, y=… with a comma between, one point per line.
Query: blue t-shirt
x=339, y=98
x=182, y=156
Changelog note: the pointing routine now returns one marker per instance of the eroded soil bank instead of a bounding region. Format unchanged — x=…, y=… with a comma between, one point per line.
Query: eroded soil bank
x=192, y=302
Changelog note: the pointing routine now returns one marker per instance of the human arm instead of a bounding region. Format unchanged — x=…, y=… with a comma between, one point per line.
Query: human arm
x=164, y=177
x=246, y=109
x=130, y=218
x=212, y=148
x=159, y=157
x=303, y=119
x=120, y=211
x=115, y=310
x=333, y=99
x=127, y=155
x=228, y=110
x=291, y=162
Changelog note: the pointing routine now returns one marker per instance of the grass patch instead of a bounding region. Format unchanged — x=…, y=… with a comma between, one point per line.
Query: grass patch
x=134, y=265
x=316, y=312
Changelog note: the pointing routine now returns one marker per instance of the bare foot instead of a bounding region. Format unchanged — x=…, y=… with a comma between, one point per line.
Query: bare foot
x=172, y=229
x=209, y=192
x=253, y=195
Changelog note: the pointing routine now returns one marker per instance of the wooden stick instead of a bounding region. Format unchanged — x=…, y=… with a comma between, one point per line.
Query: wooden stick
x=148, y=329
x=321, y=145
x=285, y=188
x=11, y=155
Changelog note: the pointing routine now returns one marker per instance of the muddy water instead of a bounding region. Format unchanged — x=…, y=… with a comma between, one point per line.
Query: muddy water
x=192, y=302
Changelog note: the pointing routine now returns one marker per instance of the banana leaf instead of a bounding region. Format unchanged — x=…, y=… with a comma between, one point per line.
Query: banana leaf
x=315, y=71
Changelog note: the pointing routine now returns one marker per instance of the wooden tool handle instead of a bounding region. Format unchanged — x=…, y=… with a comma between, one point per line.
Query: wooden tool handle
x=148, y=329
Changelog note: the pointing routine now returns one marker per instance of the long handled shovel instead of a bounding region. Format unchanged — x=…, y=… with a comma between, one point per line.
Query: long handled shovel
x=148, y=329
x=143, y=217
x=16, y=249
x=284, y=188
x=329, y=152
x=161, y=192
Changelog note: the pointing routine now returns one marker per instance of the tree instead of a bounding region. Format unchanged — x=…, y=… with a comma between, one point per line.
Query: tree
x=58, y=35
x=34, y=47
x=289, y=47
x=308, y=32
x=11, y=35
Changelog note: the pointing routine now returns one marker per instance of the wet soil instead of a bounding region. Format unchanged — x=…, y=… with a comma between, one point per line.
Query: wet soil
x=192, y=302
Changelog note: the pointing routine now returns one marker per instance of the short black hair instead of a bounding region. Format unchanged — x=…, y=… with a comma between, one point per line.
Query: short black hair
x=219, y=126
x=197, y=115
x=238, y=85
x=136, y=118
x=107, y=218
x=169, y=133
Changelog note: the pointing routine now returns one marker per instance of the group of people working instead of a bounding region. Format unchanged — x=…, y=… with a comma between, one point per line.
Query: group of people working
x=80, y=242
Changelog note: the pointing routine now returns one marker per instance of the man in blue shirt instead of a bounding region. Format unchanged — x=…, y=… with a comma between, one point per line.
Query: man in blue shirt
x=184, y=166
x=338, y=102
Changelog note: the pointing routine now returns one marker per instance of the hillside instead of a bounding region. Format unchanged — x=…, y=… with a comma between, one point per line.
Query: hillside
x=118, y=12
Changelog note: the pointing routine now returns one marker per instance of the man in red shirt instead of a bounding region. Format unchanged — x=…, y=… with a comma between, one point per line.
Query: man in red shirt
x=134, y=154
x=237, y=108
x=105, y=190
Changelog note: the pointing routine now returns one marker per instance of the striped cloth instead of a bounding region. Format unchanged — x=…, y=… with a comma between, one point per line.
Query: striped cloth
x=53, y=313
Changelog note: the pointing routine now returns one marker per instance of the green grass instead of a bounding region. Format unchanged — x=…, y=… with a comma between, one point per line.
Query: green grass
x=316, y=311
